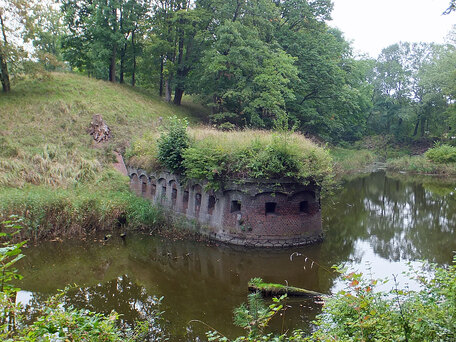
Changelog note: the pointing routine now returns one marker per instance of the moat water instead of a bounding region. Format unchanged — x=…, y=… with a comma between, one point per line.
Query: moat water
x=376, y=223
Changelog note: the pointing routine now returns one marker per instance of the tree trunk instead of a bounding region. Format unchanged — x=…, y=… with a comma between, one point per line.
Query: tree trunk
x=112, y=65
x=133, y=74
x=4, y=72
x=178, y=93
x=167, y=90
x=179, y=90
x=122, y=63
x=3, y=64
x=161, y=76
x=415, y=131
x=423, y=125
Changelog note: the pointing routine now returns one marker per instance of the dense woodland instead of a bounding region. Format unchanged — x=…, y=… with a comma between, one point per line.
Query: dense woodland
x=259, y=64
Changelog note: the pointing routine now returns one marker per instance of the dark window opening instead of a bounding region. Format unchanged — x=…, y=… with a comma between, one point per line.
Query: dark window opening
x=304, y=207
x=174, y=196
x=164, y=191
x=185, y=199
x=270, y=207
x=144, y=187
x=235, y=206
x=211, y=204
x=153, y=189
x=197, y=202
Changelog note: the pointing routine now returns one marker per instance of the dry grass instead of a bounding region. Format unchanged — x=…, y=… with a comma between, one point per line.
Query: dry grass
x=241, y=139
x=216, y=155
x=43, y=127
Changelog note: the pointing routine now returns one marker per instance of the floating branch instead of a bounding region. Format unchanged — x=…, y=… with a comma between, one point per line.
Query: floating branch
x=270, y=289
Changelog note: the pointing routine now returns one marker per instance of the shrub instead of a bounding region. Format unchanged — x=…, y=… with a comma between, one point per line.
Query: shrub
x=442, y=154
x=202, y=161
x=216, y=156
x=172, y=144
x=361, y=312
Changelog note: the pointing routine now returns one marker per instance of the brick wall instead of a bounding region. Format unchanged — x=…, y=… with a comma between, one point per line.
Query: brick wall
x=272, y=213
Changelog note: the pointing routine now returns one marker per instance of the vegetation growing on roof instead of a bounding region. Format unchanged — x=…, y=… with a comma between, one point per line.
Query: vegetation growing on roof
x=219, y=156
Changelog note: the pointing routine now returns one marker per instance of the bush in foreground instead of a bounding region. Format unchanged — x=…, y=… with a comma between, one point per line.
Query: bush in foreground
x=361, y=312
x=55, y=322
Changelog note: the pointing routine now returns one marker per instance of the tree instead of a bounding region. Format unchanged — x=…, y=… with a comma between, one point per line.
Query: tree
x=176, y=24
x=47, y=35
x=408, y=96
x=4, y=56
x=14, y=22
x=98, y=35
x=245, y=80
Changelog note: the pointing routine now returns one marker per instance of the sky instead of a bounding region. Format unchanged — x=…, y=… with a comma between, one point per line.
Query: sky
x=372, y=25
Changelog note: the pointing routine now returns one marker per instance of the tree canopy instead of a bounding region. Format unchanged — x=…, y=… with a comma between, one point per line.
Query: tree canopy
x=256, y=64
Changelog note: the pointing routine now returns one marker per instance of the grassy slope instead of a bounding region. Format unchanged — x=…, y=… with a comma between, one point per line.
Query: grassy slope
x=44, y=120
x=46, y=151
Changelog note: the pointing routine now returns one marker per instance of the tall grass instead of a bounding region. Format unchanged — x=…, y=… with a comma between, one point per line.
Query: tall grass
x=347, y=160
x=52, y=173
x=56, y=212
x=421, y=164
x=217, y=156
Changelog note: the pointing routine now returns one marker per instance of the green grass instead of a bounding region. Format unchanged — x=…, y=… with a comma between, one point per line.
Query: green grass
x=52, y=173
x=220, y=156
x=106, y=204
x=43, y=127
x=348, y=160
x=421, y=164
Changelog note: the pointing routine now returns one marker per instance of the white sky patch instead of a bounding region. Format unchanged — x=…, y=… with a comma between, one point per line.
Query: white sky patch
x=375, y=24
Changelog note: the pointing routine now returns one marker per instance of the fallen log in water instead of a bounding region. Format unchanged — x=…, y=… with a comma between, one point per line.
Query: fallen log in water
x=270, y=289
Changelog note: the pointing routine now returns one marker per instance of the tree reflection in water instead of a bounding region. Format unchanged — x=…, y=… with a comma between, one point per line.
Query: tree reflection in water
x=401, y=218
x=377, y=218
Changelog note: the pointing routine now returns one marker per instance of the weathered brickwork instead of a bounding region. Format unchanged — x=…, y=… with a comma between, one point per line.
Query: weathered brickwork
x=273, y=213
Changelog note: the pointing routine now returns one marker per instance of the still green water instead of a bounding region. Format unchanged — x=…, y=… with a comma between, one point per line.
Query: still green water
x=374, y=223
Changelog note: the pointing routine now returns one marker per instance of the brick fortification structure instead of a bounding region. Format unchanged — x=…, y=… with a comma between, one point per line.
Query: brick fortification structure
x=270, y=213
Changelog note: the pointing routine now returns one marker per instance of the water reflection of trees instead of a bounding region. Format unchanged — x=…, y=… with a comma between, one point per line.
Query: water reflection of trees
x=401, y=219
x=121, y=294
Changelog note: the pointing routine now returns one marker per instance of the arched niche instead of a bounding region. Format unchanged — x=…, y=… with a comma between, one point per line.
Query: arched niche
x=143, y=180
x=211, y=204
x=304, y=202
x=134, y=183
x=272, y=202
x=153, y=186
x=173, y=185
x=198, y=194
x=161, y=187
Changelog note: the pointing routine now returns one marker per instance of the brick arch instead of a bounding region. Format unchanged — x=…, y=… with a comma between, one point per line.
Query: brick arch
x=198, y=196
x=173, y=185
x=272, y=203
x=152, y=187
x=143, y=182
x=161, y=188
x=311, y=195
x=272, y=194
x=135, y=184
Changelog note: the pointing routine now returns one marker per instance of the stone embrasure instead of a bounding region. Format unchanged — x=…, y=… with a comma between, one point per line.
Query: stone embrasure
x=272, y=213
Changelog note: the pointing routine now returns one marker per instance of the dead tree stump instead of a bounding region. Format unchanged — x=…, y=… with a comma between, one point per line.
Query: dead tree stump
x=98, y=129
